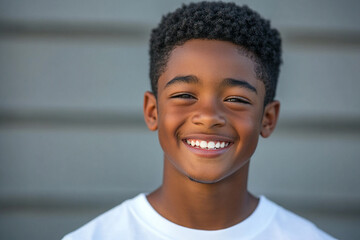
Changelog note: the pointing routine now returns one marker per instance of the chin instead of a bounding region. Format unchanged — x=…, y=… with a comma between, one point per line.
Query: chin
x=211, y=176
x=206, y=179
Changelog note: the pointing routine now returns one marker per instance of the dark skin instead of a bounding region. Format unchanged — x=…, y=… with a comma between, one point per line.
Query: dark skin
x=208, y=93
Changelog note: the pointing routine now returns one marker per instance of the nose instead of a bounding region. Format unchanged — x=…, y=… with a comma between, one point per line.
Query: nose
x=209, y=115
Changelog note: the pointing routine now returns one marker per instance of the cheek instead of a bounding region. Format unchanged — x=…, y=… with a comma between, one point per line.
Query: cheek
x=249, y=122
x=168, y=126
x=170, y=120
x=249, y=130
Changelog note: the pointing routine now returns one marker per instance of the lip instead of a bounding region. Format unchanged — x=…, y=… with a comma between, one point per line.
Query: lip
x=209, y=137
x=208, y=153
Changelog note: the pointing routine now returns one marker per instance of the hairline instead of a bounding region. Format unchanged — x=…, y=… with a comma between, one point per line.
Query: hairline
x=260, y=72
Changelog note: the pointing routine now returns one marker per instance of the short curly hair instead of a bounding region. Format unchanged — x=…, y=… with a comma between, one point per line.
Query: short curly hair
x=219, y=21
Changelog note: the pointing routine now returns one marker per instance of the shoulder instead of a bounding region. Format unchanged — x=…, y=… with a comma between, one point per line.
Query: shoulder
x=293, y=226
x=108, y=225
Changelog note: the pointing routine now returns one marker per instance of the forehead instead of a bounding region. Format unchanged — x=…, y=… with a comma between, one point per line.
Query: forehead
x=210, y=61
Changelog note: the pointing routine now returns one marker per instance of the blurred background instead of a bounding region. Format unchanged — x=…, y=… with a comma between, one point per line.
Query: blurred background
x=73, y=143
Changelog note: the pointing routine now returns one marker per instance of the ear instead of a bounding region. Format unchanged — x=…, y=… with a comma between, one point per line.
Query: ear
x=150, y=111
x=270, y=117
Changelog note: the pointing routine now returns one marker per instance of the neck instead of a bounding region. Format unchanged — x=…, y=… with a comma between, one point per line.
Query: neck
x=201, y=205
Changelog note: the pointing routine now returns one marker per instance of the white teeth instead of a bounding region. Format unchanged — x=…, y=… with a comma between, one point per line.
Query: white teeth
x=203, y=144
x=211, y=145
x=207, y=145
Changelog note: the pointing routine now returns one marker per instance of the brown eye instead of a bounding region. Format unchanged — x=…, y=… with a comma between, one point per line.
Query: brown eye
x=184, y=96
x=237, y=100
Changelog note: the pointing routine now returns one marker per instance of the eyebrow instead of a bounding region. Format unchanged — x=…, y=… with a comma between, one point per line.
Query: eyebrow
x=230, y=82
x=182, y=79
x=227, y=82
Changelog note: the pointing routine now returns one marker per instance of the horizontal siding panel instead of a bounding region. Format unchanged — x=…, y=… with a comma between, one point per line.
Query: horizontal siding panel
x=49, y=161
x=319, y=82
x=72, y=75
x=309, y=14
x=95, y=161
x=92, y=76
x=318, y=166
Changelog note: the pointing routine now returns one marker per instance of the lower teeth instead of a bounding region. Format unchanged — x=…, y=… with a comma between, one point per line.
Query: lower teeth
x=204, y=148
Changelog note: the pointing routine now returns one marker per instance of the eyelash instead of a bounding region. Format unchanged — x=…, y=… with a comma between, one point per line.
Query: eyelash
x=237, y=100
x=230, y=99
x=183, y=96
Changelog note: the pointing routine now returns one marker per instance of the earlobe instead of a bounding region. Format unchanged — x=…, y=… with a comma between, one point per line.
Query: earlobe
x=270, y=117
x=150, y=111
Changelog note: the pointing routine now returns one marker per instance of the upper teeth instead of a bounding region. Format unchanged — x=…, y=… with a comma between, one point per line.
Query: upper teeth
x=207, y=144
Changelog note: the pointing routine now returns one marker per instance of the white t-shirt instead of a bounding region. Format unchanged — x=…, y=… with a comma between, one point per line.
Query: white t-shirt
x=136, y=219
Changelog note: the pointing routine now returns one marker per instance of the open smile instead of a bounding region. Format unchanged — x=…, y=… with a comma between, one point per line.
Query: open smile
x=207, y=145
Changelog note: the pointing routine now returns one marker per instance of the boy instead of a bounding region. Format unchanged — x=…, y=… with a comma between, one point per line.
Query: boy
x=213, y=69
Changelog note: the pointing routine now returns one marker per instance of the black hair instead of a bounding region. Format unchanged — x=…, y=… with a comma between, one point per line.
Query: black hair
x=219, y=21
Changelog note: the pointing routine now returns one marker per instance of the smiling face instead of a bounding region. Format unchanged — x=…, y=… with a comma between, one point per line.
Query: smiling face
x=209, y=111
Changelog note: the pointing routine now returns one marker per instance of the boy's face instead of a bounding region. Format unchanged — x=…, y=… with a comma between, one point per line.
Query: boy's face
x=209, y=111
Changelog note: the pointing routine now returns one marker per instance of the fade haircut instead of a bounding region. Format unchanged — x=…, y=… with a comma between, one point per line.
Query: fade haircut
x=219, y=21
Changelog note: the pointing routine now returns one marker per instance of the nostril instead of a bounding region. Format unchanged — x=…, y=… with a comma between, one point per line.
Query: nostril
x=209, y=120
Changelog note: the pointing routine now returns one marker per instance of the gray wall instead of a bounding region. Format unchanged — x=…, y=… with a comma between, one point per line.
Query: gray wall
x=73, y=143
